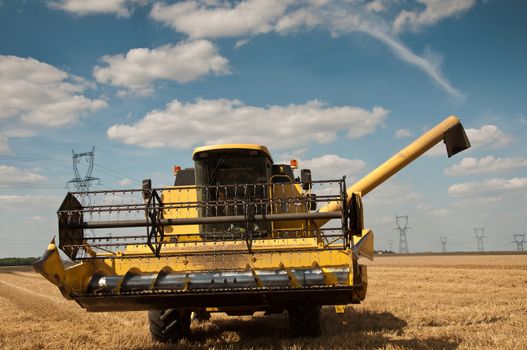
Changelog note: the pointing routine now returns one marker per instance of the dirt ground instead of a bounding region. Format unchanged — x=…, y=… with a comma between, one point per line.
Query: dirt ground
x=414, y=302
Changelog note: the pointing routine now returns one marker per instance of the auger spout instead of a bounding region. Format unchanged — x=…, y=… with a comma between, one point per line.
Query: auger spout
x=449, y=130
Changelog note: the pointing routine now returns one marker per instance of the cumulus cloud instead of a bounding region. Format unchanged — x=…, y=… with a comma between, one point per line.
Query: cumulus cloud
x=491, y=185
x=489, y=136
x=140, y=67
x=402, y=133
x=332, y=166
x=183, y=125
x=10, y=175
x=41, y=94
x=486, y=137
x=489, y=164
x=200, y=19
x=215, y=19
x=434, y=11
x=390, y=192
x=120, y=8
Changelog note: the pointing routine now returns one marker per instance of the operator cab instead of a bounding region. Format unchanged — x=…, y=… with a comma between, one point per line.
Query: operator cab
x=227, y=178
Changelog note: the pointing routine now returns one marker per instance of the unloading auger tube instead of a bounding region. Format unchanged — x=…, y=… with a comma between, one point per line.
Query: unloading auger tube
x=450, y=130
x=224, y=240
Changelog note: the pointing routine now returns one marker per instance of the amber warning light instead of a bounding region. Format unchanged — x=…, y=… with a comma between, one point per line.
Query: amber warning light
x=176, y=169
x=294, y=164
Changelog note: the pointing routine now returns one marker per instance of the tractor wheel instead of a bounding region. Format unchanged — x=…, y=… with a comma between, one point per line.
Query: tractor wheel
x=202, y=315
x=304, y=321
x=169, y=325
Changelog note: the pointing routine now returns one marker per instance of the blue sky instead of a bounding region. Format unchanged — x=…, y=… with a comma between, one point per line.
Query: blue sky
x=339, y=85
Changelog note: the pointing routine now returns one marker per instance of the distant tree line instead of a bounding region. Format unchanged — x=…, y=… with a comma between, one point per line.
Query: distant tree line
x=17, y=261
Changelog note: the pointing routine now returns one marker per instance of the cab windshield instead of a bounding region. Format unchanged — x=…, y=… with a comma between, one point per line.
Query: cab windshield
x=227, y=182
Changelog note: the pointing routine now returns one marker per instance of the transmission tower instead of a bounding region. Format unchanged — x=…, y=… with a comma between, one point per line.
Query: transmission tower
x=479, y=234
x=443, y=244
x=402, y=226
x=83, y=183
x=390, y=245
x=519, y=239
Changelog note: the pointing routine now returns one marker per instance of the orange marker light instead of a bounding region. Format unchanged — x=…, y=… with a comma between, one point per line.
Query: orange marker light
x=294, y=164
x=176, y=169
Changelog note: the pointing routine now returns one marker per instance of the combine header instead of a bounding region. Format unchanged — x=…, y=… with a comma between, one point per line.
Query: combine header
x=236, y=234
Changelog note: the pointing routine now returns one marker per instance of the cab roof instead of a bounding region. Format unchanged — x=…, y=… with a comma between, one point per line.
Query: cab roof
x=232, y=146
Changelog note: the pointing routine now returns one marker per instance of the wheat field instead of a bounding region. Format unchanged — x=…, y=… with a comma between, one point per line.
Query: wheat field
x=413, y=302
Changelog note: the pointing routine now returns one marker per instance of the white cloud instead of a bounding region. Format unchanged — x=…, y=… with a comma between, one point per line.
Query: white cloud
x=434, y=11
x=29, y=202
x=183, y=125
x=41, y=94
x=240, y=43
x=429, y=63
x=91, y=7
x=471, y=202
x=441, y=212
x=486, y=137
x=140, y=67
x=489, y=136
x=491, y=185
x=200, y=19
x=484, y=165
x=375, y=6
x=9, y=175
x=402, y=133
x=125, y=182
x=390, y=192
x=332, y=166
x=214, y=19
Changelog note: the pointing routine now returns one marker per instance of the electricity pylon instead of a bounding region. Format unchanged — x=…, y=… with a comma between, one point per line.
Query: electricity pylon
x=519, y=239
x=443, y=244
x=402, y=226
x=479, y=234
x=83, y=183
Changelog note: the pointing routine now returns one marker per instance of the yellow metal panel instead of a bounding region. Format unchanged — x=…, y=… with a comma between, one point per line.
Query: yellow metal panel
x=241, y=262
x=179, y=196
x=364, y=244
x=232, y=146
x=285, y=191
x=222, y=246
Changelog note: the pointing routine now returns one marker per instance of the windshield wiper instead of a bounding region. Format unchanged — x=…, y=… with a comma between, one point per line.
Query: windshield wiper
x=218, y=166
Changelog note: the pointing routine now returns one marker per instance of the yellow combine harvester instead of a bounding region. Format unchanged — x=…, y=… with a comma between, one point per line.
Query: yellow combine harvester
x=236, y=234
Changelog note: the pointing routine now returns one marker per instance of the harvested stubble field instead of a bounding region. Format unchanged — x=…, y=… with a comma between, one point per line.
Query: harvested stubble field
x=414, y=302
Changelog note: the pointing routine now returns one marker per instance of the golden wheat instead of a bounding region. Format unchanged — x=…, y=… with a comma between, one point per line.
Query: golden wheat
x=413, y=302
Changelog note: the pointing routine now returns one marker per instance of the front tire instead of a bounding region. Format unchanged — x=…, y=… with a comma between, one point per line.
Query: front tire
x=169, y=325
x=304, y=321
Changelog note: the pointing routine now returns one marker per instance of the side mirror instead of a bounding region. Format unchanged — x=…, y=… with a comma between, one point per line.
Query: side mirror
x=305, y=177
x=147, y=189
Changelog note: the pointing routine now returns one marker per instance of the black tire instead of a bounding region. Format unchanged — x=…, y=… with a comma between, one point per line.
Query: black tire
x=202, y=315
x=304, y=321
x=169, y=325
